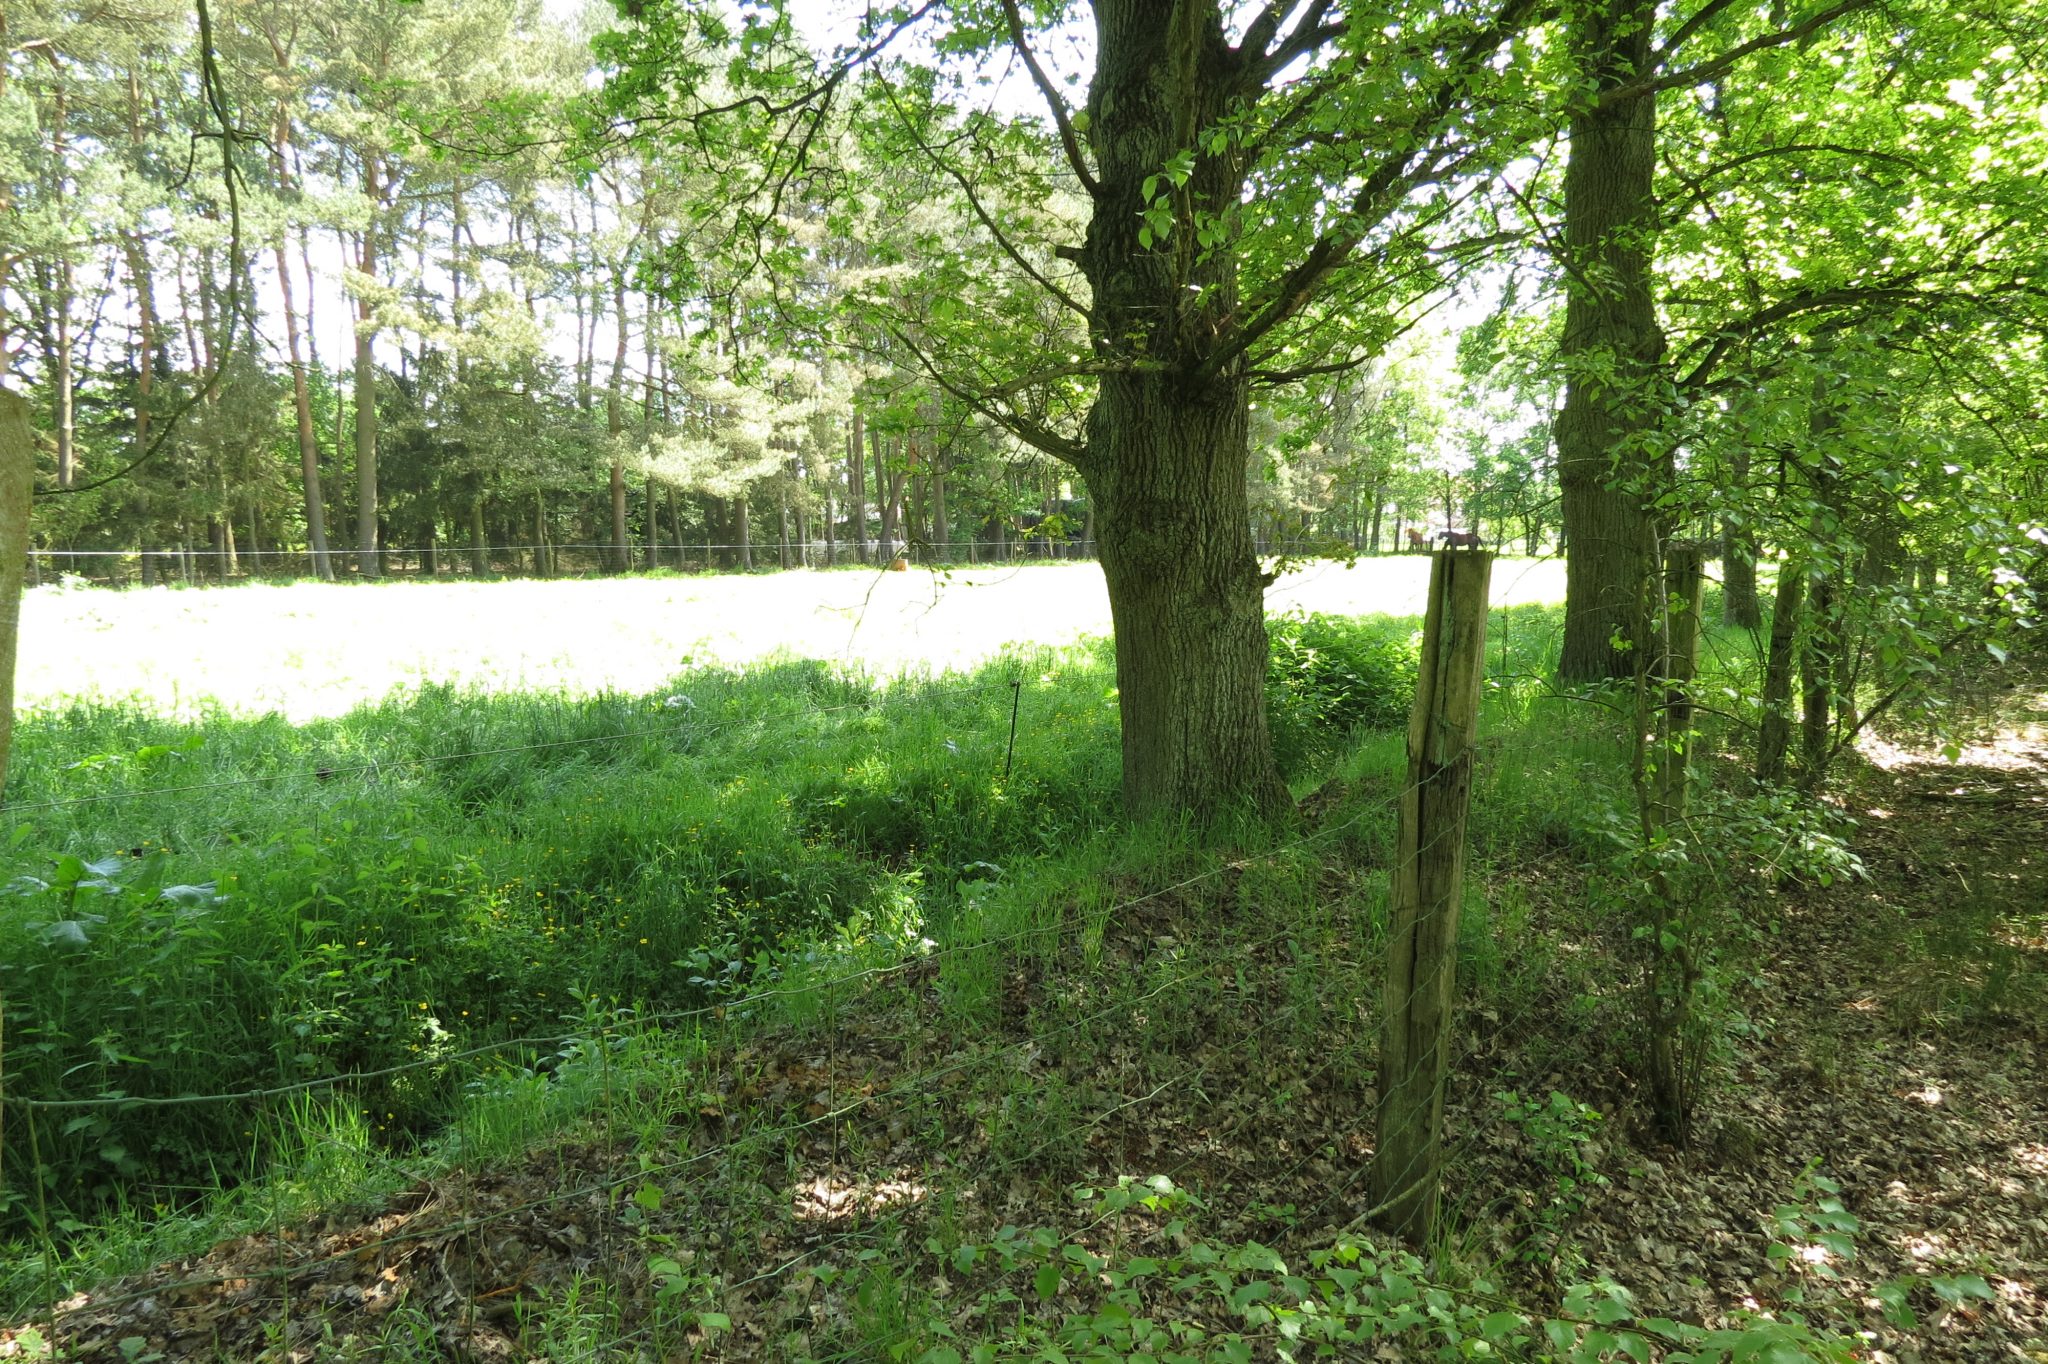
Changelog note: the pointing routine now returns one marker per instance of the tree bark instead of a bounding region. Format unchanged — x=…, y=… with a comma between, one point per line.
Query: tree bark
x=1774, y=734
x=1186, y=595
x=62, y=376
x=1609, y=469
x=479, y=555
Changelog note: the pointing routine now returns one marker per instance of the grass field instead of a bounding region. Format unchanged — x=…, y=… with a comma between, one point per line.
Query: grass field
x=269, y=835
x=311, y=650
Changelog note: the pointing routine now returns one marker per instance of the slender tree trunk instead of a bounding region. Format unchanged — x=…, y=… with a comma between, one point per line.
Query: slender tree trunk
x=942, y=529
x=887, y=488
x=831, y=528
x=1613, y=351
x=1822, y=638
x=302, y=398
x=615, y=424
x=1774, y=734
x=653, y=525
x=367, y=559
x=479, y=554
x=1739, y=604
x=1817, y=681
x=744, y=534
x=856, y=488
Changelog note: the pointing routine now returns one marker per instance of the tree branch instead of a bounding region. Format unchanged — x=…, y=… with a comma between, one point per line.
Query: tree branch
x=1054, y=104
x=1686, y=31
x=1032, y=433
x=1695, y=184
x=981, y=214
x=1399, y=170
x=1715, y=66
x=1309, y=33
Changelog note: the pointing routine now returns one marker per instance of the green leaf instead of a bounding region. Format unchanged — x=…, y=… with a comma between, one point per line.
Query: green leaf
x=1954, y=1290
x=1047, y=1281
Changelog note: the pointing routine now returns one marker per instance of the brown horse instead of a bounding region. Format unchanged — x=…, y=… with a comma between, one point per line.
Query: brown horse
x=1459, y=539
x=1416, y=539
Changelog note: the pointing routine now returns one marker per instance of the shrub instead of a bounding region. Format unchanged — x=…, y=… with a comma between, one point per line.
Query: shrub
x=1329, y=677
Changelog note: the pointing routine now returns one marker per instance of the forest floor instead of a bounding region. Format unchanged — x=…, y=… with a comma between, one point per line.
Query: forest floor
x=316, y=650
x=807, y=1195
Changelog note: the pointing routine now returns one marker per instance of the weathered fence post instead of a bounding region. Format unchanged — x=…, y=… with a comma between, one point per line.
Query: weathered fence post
x=1429, y=875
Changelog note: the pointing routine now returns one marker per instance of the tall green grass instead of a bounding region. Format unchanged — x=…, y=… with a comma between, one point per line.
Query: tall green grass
x=245, y=904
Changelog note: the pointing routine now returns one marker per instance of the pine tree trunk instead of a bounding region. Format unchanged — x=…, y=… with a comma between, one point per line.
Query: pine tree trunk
x=615, y=425
x=856, y=488
x=1613, y=352
x=653, y=525
x=367, y=562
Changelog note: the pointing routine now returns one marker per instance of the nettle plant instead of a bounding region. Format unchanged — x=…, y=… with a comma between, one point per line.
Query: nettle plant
x=1559, y=1131
x=1208, y=1302
x=1813, y=1237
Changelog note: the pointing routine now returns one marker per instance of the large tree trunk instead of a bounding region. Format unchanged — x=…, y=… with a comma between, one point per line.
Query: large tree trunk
x=17, y=486
x=1174, y=528
x=1167, y=444
x=1609, y=468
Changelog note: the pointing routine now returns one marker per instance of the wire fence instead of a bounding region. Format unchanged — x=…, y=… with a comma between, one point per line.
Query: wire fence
x=577, y=558
x=770, y=1144
x=708, y=1247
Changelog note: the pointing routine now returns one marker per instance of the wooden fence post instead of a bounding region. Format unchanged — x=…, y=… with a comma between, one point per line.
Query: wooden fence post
x=1428, y=882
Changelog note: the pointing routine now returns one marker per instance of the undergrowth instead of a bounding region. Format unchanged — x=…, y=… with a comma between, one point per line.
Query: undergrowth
x=930, y=981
